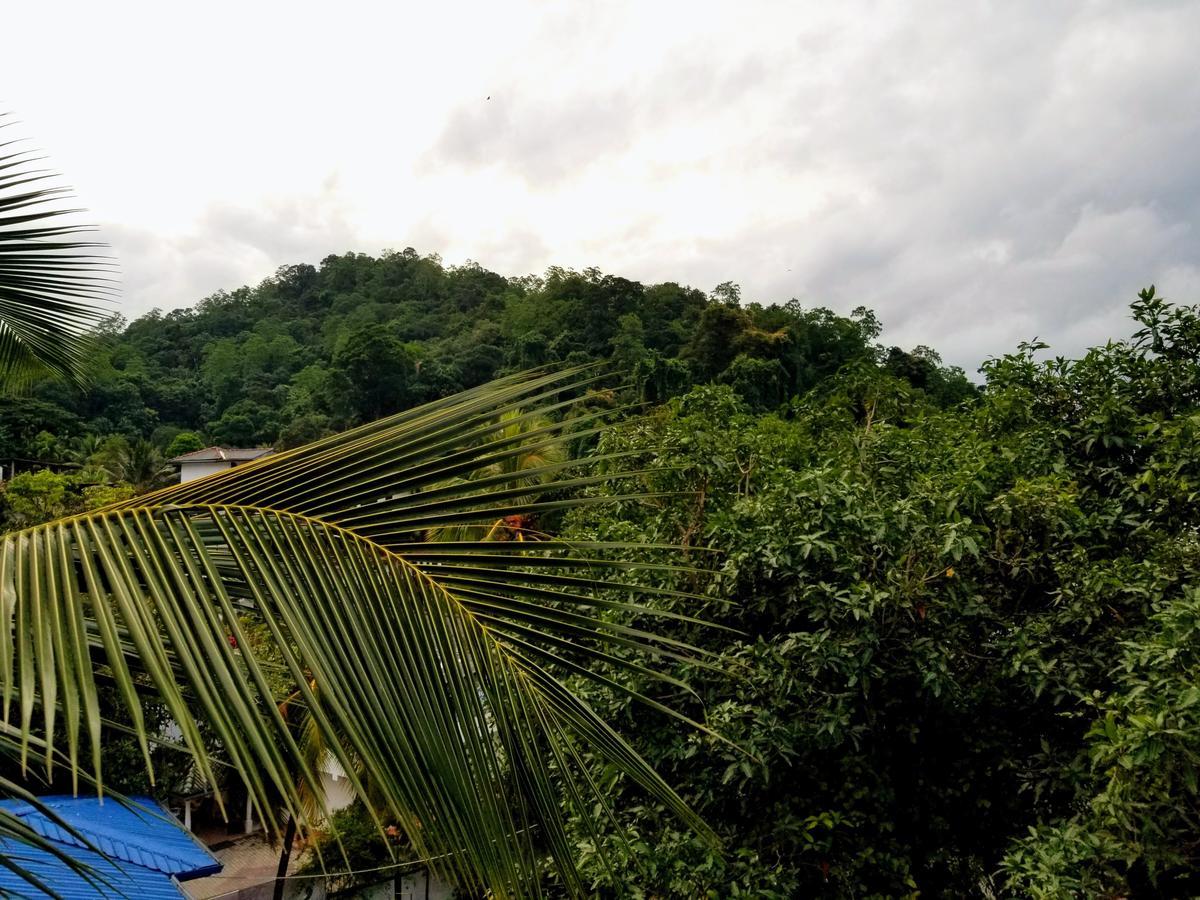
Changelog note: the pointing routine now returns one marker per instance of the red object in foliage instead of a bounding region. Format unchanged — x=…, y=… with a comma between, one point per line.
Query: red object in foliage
x=233, y=642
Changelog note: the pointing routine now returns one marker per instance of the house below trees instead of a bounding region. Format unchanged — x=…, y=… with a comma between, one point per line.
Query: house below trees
x=199, y=463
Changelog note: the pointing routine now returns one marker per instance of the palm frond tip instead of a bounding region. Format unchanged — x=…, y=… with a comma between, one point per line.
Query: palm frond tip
x=55, y=285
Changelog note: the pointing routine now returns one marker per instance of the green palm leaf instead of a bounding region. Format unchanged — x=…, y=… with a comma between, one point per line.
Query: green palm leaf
x=437, y=665
x=54, y=285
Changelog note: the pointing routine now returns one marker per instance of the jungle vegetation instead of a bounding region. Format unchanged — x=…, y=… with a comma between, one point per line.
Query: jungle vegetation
x=944, y=636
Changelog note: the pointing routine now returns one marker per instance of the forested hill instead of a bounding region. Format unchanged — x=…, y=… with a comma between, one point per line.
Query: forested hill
x=959, y=642
x=314, y=349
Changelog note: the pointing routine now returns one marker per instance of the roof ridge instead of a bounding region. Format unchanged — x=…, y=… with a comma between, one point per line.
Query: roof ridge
x=115, y=846
x=217, y=452
x=112, y=840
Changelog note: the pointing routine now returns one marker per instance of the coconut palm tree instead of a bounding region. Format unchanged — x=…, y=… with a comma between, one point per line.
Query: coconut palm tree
x=86, y=449
x=438, y=666
x=137, y=462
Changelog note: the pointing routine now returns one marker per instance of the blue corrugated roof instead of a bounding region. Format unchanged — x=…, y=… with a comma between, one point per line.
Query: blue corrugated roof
x=145, y=846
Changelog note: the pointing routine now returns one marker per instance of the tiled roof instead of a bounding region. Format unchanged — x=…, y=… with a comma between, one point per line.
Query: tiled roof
x=222, y=454
x=143, y=848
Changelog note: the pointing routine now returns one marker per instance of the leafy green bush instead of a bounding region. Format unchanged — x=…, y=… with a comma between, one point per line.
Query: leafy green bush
x=966, y=657
x=352, y=846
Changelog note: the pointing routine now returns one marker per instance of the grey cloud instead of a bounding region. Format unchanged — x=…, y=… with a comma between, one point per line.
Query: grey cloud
x=228, y=246
x=516, y=252
x=987, y=172
x=547, y=141
x=542, y=145
x=1023, y=179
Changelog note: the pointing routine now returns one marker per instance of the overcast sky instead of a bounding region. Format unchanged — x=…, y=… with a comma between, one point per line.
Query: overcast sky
x=978, y=173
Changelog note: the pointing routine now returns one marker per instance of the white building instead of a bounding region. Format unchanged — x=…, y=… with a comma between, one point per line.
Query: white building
x=199, y=463
x=338, y=791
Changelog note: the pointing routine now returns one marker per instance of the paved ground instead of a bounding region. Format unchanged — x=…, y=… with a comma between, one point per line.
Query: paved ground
x=248, y=861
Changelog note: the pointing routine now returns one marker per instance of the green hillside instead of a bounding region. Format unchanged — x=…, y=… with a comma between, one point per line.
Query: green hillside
x=315, y=349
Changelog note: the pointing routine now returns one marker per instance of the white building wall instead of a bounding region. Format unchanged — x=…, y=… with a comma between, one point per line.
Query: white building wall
x=192, y=470
x=338, y=792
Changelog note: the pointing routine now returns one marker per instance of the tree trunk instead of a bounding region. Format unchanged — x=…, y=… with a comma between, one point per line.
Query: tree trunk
x=285, y=856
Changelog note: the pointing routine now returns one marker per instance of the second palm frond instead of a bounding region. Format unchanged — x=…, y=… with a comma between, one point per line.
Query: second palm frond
x=434, y=670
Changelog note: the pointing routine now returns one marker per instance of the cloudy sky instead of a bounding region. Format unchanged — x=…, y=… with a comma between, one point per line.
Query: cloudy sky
x=978, y=173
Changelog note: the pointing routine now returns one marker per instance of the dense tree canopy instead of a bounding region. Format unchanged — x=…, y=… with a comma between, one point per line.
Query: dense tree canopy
x=315, y=349
x=970, y=662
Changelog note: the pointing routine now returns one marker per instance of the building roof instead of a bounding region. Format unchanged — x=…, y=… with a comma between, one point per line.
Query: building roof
x=223, y=454
x=144, y=849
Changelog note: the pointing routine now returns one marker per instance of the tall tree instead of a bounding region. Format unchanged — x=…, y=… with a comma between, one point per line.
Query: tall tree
x=377, y=372
x=137, y=462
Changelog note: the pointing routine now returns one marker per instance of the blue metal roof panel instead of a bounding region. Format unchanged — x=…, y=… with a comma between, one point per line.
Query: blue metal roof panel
x=145, y=846
x=121, y=879
x=145, y=835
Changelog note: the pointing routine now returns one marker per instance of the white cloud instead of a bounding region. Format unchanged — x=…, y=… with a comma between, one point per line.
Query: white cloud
x=979, y=173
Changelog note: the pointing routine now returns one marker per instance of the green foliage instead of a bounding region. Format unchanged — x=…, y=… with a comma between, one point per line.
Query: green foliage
x=352, y=844
x=965, y=620
x=315, y=349
x=303, y=429
x=761, y=383
x=629, y=343
x=376, y=372
x=969, y=654
x=424, y=668
x=34, y=497
x=184, y=442
x=31, y=498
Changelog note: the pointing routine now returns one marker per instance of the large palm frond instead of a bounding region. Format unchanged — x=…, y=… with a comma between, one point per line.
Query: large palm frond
x=439, y=665
x=53, y=284
x=536, y=460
